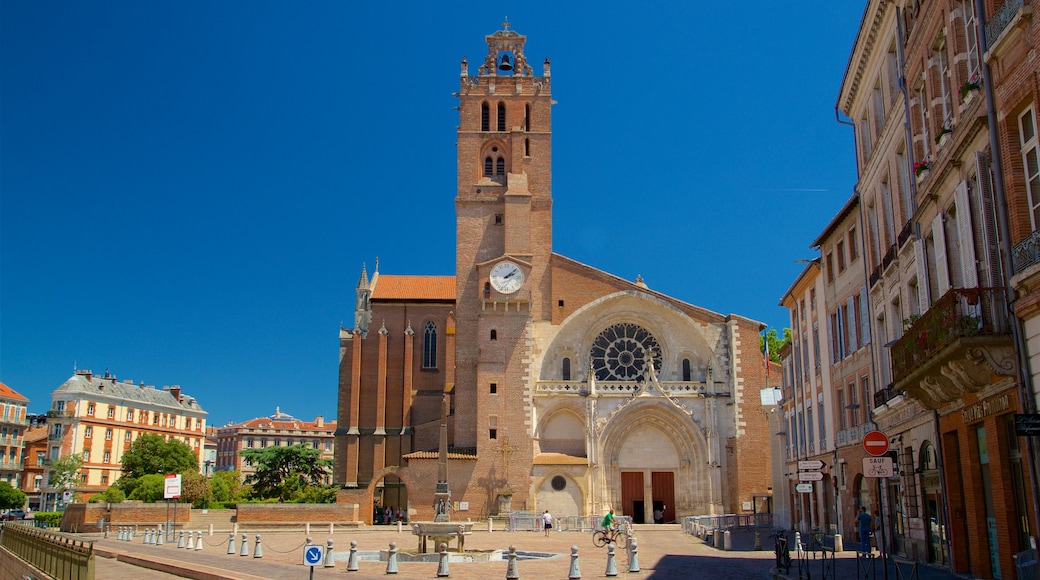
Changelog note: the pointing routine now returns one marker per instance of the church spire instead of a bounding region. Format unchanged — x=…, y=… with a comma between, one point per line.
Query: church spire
x=363, y=303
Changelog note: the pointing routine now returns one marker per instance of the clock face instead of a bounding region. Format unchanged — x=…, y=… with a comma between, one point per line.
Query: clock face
x=507, y=277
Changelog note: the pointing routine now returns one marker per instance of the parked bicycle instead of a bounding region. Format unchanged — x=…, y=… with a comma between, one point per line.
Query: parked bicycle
x=615, y=536
x=783, y=552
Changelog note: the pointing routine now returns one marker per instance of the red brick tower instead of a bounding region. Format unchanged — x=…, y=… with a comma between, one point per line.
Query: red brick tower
x=503, y=246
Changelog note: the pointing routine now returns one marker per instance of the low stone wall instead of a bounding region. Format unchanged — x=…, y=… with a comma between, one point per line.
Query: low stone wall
x=14, y=568
x=313, y=513
x=83, y=517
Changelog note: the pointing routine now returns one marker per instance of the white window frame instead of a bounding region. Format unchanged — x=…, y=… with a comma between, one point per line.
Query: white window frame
x=1029, y=148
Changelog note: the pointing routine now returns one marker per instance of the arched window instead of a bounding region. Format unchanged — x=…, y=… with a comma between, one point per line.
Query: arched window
x=494, y=334
x=686, y=372
x=429, y=359
x=566, y=371
x=485, y=117
x=500, y=167
x=489, y=167
x=501, y=116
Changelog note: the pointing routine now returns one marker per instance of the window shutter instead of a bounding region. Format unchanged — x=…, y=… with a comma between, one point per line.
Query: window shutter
x=864, y=320
x=850, y=326
x=967, y=237
x=921, y=261
x=942, y=271
x=986, y=224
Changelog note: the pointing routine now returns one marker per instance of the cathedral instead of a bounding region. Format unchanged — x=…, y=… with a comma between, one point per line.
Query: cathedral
x=567, y=388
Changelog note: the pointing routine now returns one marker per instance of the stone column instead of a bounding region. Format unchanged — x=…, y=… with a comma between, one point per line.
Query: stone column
x=353, y=434
x=379, y=435
x=406, y=406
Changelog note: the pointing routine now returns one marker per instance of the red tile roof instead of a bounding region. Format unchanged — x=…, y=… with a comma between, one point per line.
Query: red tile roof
x=415, y=287
x=9, y=393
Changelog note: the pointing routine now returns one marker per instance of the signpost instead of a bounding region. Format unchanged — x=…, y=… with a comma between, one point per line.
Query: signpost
x=810, y=476
x=313, y=555
x=171, y=490
x=803, y=488
x=810, y=465
x=875, y=443
x=878, y=467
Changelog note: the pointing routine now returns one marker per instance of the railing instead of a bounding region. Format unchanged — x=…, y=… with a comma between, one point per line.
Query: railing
x=905, y=234
x=841, y=437
x=1026, y=253
x=672, y=388
x=959, y=313
x=697, y=525
x=57, y=555
x=890, y=256
x=529, y=521
x=1027, y=566
x=24, y=421
x=875, y=276
x=885, y=395
x=12, y=465
x=10, y=440
x=1000, y=19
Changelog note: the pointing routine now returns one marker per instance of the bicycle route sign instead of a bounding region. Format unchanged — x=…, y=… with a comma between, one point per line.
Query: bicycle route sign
x=878, y=467
x=803, y=488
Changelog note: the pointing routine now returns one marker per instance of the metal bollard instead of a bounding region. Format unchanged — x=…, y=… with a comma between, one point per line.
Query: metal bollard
x=332, y=527
x=245, y=546
x=352, y=561
x=258, y=551
x=611, y=562
x=633, y=555
x=330, y=559
x=490, y=526
x=442, y=564
x=727, y=541
x=146, y=537
x=180, y=539
x=400, y=526
x=391, y=560
x=512, y=572
x=758, y=541
x=198, y=540
x=162, y=537
x=231, y=545
x=575, y=571
x=190, y=545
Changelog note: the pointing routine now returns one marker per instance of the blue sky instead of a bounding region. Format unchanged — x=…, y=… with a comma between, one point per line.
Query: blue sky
x=188, y=189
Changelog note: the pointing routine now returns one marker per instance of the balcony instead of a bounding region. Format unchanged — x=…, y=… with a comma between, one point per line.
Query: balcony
x=961, y=345
x=885, y=395
x=1026, y=253
x=23, y=422
x=16, y=465
x=1001, y=18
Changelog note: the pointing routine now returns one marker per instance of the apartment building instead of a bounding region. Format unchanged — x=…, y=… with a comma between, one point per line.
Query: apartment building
x=944, y=358
x=279, y=429
x=13, y=424
x=99, y=417
x=35, y=464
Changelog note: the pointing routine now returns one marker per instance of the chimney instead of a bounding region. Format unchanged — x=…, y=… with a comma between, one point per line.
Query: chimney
x=319, y=421
x=175, y=390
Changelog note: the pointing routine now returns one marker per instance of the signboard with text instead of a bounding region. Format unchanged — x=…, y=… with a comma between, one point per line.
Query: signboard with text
x=172, y=486
x=878, y=467
x=803, y=488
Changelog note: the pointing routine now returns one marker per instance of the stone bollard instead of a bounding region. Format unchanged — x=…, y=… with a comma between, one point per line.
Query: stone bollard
x=198, y=540
x=798, y=543
x=575, y=571
x=391, y=559
x=190, y=544
x=352, y=561
x=716, y=538
x=611, y=562
x=307, y=528
x=231, y=545
x=211, y=530
x=332, y=527
x=512, y=572
x=727, y=541
x=258, y=550
x=400, y=526
x=633, y=555
x=180, y=539
x=330, y=558
x=245, y=546
x=442, y=564
x=758, y=541
x=161, y=537
x=133, y=532
x=147, y=536
x=490, y=526
x=839, y=546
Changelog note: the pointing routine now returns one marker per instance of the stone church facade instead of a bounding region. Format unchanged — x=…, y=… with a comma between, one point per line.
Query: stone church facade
x=570, y=389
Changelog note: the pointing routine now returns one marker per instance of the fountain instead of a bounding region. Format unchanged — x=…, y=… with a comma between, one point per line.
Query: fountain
x=442, y=529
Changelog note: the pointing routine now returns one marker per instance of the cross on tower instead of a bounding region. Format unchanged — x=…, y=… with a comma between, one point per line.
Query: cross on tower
x=506, y=449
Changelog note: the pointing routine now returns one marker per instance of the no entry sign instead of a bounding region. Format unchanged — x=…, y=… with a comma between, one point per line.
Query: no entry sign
x=875, y=443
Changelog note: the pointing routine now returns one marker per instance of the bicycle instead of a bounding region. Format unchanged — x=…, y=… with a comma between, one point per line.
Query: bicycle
x=783, y=553
x=618, y=536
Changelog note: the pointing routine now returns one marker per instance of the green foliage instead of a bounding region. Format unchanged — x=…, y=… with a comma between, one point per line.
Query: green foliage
x=64, y=472
x=10, y=497
x=149, y=488
x=152, y=454
x=111, y=495
x=317, y=494
x=48, y=519
x=775, y=343
x=284, y=472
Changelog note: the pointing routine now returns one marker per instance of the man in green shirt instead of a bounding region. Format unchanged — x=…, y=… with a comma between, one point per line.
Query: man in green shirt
x=608, y=521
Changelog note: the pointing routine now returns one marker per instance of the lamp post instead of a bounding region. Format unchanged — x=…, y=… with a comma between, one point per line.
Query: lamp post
x=207, y=467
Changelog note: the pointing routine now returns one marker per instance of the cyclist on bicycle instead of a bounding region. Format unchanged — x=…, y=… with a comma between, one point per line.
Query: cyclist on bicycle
x=608, y=522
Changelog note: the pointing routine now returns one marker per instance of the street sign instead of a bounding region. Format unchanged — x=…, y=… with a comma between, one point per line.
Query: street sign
x=875, y=443
x=313, y=555
x=878, y=467
x=810, y=476
x=803, y=488
x=810, y=464
x=172, y=487
x=1027, y=425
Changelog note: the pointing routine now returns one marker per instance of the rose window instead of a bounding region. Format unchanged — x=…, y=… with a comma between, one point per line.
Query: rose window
x=621, y=351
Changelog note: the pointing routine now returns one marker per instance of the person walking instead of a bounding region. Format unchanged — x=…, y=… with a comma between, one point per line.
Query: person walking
x=547, y=522
x=865, y=523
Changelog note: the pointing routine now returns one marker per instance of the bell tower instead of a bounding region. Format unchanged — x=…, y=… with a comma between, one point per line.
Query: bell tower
x=503, y=211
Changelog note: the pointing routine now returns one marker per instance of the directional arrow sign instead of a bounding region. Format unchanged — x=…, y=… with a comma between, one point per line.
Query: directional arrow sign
x=313, y=555
x=803, y=488
x=810, y=465
x=810, y=476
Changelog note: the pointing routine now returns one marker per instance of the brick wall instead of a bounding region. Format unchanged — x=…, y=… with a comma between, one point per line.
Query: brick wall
x=298, y=513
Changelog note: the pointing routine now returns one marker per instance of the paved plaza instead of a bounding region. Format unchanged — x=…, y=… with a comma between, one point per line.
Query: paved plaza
x=663, y=554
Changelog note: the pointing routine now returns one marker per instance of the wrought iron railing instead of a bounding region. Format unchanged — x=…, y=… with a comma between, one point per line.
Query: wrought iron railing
x=885, y=395
x=959, y=313
x=1026, y=253
x=904, y=235
x=1000, y=19
x=875, y=276
x=890, y=256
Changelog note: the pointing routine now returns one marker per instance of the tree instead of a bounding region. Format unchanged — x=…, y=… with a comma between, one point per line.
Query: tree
x=149, y=488
x=10, y=497
x=152, y=454
x=282, y=472
x=64, y=472
x=775, y=343
x=110, y=495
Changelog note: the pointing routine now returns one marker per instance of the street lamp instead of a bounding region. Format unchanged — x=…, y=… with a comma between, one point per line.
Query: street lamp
x=207, y=467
